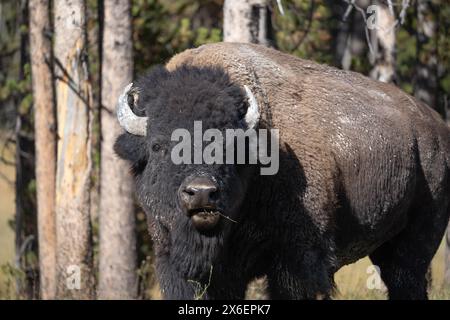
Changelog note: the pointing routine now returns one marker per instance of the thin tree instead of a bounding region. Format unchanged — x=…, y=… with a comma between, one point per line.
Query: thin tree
x=426, y=79
x=45, y=142
x=349, y=39
x=117, y=262
x=247, y=21
x=73, y=93
x=383, y=43
x=25, y=215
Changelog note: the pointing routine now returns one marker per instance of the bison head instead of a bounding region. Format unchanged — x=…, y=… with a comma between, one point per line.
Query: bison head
x=202, y=199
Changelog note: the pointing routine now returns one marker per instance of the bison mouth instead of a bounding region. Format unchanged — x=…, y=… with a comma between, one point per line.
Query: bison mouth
x=204, y=219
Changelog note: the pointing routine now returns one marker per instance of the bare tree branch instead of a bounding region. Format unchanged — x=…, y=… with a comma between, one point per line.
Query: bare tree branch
x=391, y=7
x=366, y=29
x=398, y=21
x=280, y=7
x=348, y=10
x=312, y=6
x=405, y=6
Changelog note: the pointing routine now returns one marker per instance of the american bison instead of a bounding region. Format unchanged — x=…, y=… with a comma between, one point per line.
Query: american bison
x=363, y=170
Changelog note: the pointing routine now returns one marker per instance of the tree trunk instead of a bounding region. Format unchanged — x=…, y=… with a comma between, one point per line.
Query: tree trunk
x=25, y=216
x=247, y=21
x=117, y=262
x=340, y=31
x=426, y=81
x=383, y=44
x=45, y=142
x=349, y=40
x=73, y=91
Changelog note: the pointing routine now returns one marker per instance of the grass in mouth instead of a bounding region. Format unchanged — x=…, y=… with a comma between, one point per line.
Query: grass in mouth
x=226, y=217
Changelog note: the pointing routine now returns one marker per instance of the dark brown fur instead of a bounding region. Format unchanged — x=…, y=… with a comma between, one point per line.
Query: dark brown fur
x=364, y=170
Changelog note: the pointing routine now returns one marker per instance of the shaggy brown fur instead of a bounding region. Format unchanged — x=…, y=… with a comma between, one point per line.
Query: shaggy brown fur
x=365, y=165
x=349, y=129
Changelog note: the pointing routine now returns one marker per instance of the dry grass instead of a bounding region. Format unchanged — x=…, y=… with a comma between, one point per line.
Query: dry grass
x=351, y=281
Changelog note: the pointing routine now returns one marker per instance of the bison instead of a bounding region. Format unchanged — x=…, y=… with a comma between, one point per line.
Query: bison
x=363, y=170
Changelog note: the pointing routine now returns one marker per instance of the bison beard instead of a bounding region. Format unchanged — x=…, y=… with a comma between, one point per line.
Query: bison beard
x=364, y=169
x=186, y=270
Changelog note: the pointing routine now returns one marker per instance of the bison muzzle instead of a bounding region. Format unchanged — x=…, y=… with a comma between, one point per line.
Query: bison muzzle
x=197, y=199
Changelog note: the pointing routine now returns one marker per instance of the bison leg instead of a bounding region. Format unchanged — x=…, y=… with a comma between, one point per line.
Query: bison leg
x=309, y=279
x=404, y=277
x=404, y=260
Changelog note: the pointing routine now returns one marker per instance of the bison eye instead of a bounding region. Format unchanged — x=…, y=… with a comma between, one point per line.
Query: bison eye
x=156, y=147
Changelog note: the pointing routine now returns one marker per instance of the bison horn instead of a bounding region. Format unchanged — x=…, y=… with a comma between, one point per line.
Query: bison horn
x=127, y=119
x=252, y=115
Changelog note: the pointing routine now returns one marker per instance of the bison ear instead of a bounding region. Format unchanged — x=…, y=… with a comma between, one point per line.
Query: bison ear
x=133, y=149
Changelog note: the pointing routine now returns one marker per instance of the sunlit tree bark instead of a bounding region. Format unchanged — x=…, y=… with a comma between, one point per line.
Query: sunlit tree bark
x=45, y=142
x=117, y=269
x=73, y=90
x=247, y=21
x=383, y=44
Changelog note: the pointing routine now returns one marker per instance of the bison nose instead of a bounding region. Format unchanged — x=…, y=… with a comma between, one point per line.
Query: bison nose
x=200, y=192
x=198, y=198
